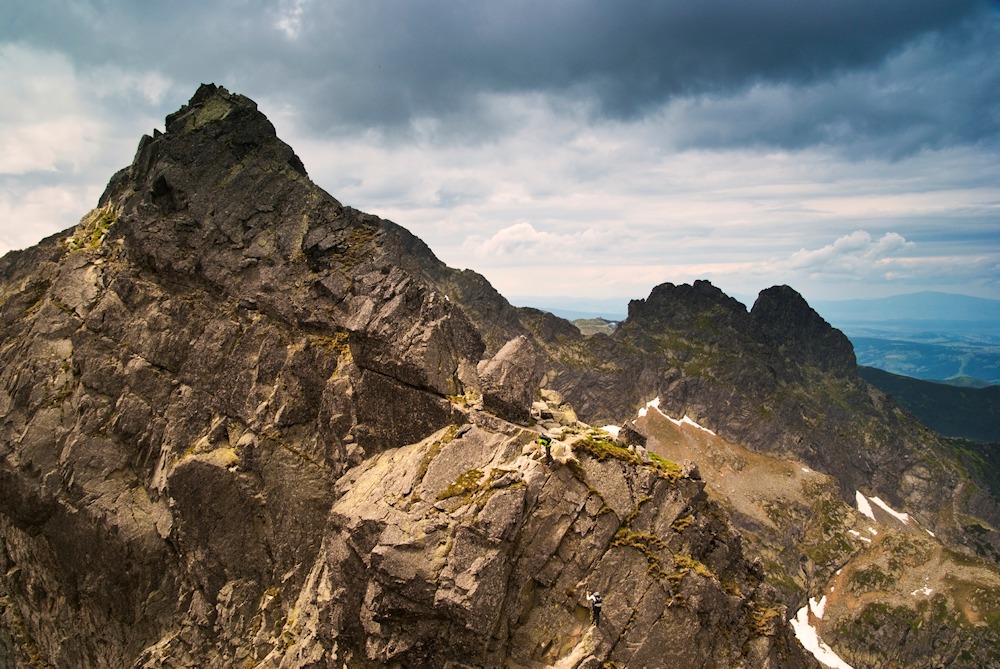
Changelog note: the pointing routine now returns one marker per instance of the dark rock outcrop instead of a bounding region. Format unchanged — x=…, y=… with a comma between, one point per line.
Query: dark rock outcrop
x=187, y=373
x=785, y=322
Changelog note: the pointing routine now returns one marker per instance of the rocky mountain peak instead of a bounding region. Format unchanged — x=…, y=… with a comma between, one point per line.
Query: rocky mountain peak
x=215, y=127
x=782, y=319
x=218, y=202
x=679, y=305
x=700, y=308
x=217, y=190
x=213, y=103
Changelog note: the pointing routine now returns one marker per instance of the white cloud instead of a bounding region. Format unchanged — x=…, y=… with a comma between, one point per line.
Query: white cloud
x=521, y=243
x=29, y=215
x=518, y=240
x=290, y=13
x=42, y=120
x=64, y=130
x=54, y=117
x=614, y=211
x=856, y=254
x=859, y=263
x=111, y=82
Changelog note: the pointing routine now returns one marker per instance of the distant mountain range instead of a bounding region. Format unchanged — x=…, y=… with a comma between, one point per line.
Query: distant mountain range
x=928, y=335
x=923, y=311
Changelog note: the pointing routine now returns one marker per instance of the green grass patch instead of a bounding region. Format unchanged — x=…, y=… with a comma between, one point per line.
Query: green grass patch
x=93, y=228
x=648, y=545
x=635, y=512
x=578, y=471
x=687, y=563
x=465, y=485
x=764, y=619
x=603, y=449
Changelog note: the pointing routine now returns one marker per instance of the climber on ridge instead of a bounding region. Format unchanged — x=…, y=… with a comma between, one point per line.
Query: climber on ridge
x=546, y=442
x=595, y=606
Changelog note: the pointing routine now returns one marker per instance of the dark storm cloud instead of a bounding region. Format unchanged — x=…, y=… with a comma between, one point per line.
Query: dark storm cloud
x=838, y=147
x=631, y=55
x=915, y=100
x=382, y=63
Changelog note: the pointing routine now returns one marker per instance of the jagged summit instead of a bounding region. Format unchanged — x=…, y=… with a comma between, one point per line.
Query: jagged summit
x=700, y=306
x=242, y=424
x=780, y=320
x=223, y=133
x=219, y=195
x=783, y=319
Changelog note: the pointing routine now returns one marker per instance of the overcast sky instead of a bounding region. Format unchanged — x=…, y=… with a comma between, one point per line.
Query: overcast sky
x=589, y=149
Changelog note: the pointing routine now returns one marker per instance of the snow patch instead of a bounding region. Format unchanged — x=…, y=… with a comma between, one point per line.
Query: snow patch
x=863, y=506
x=655, y=404
x=808, y=636
x=806, y=470
x=687, y=420
x=930, y=533
x=651, y=404
x=612, y=430
x=901, y=517
x=922, y=591
x=817, y=608
x=873, y=531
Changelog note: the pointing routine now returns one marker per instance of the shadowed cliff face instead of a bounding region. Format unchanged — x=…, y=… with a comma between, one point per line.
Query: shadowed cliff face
x=785, y=323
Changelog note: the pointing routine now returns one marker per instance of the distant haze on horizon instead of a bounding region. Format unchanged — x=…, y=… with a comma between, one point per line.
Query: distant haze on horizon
x=587, y=149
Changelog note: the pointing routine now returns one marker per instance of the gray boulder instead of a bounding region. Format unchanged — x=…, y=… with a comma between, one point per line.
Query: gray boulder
x=509, y=380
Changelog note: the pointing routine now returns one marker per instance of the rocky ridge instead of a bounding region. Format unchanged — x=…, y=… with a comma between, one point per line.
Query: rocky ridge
x=781, y=381
x=201, y=379
x=472, y=550
x=244, y=425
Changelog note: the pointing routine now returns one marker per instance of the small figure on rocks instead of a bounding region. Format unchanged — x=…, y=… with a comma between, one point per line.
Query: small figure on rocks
x=595, y=606
x=546, y=442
